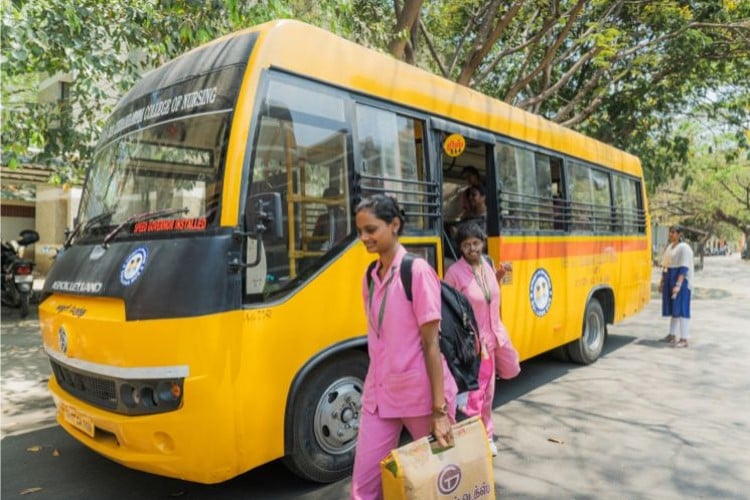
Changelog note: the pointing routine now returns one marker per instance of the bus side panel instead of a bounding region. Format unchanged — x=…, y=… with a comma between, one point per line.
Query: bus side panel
x=539, y=306
x=545, y=296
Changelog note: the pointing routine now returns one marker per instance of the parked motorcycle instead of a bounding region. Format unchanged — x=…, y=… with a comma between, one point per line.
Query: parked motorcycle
x=17, y=280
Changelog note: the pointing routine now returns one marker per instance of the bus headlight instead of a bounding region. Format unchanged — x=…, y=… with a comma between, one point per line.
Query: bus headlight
x=151, y=396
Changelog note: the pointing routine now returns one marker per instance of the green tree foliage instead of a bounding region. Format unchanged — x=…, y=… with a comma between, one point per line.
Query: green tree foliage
x=619, y=71
x=715, y=200
x=103, y=48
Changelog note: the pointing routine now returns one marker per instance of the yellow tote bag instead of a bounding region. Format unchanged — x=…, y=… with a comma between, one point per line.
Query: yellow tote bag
x=420, y=471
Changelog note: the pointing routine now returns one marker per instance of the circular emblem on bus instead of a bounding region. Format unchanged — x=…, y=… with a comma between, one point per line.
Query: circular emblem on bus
x=133, y=266
x=540, y=292
x=449, y=479
x=454, y=145
x=62, y=340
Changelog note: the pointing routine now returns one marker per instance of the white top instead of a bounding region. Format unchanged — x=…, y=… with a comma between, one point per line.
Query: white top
x=679, y=255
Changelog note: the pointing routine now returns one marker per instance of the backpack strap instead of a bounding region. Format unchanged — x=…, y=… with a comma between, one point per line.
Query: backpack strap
x=369, y=272
x=405, y=272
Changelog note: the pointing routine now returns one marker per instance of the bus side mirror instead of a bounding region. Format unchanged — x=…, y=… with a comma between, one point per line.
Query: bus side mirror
x=263, y=215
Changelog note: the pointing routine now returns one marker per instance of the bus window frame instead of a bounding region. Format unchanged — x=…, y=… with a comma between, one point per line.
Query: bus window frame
x=432, y=176
x=439, y=126
x=566, y=200
x=554, y=156
x=267, y=77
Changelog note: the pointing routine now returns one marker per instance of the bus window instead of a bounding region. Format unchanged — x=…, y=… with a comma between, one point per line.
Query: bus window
x=591, y=205
x=526, y=180
x=543, y=190
x=628, y=213
x=391, y=149
x=581, y=197
x=601, y=196
x=559, y=203
x=301, y=154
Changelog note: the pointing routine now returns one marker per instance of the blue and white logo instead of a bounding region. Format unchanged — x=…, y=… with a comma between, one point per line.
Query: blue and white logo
x=133, y=266
x=540, y=292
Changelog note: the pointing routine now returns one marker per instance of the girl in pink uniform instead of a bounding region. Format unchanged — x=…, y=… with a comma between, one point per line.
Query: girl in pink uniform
x=408, y=383
x=475, y=277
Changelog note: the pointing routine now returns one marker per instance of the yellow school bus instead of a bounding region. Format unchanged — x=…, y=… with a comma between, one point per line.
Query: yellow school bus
x=206, y=315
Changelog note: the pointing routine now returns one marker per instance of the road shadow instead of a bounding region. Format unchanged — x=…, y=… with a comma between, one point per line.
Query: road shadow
x=542, y=369
x=26, y=401
x=62, y=468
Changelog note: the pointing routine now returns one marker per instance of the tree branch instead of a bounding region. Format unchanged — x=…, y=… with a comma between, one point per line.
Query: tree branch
x=572, y=16
x=405, y=20
x=564, y=78
x=433, y=51
x=733, y=194
x=486, y=40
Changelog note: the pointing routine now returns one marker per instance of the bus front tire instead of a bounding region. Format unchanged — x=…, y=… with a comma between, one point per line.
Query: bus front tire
x=589, y=346
x=325, y=422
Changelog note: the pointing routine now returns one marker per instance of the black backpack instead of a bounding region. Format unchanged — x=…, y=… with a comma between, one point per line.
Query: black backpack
x=459, y=334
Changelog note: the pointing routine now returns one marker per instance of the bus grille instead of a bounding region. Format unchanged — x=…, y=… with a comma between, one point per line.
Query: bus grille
x=98, y=391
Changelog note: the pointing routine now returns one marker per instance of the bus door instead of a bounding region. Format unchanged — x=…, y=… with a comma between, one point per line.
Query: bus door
x=468, y=180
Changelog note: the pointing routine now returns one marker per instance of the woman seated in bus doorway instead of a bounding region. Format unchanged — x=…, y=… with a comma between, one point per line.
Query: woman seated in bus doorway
x=408, y=383
x=476, y=202
x=475, y=276
x=676, y=287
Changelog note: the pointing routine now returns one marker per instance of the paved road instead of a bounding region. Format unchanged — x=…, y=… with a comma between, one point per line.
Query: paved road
x=645, y=421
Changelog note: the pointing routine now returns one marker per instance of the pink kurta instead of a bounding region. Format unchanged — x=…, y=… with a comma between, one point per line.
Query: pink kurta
x=492, y=333
x=397, y=390
x=397, y=384
x=461, y=277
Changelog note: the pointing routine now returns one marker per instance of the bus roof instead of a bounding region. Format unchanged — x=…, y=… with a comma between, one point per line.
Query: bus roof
x=312, y=52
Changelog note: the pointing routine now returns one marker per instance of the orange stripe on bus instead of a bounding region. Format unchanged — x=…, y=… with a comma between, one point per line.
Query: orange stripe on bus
x=535, y=249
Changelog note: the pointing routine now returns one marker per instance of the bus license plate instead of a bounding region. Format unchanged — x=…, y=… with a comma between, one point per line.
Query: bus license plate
x=78, y=420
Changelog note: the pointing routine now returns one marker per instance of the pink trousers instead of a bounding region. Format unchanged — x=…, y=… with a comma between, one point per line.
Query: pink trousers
x=479, y=401
x=377, y=437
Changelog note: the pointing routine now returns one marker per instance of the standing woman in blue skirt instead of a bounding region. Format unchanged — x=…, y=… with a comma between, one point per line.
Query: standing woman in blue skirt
x=676, y=287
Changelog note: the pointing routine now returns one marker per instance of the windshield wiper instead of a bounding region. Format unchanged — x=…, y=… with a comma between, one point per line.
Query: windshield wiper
x=142, y=217
x=82, y=226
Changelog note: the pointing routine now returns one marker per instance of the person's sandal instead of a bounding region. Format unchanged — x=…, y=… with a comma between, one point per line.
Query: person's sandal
x=668, y=338
x=681, y=343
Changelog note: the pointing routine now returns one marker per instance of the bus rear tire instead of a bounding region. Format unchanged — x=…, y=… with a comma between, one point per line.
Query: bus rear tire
x=588, y=347
x=325, y=421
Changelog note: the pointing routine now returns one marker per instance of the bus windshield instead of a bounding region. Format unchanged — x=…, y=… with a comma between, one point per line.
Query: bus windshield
x=170, y=165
